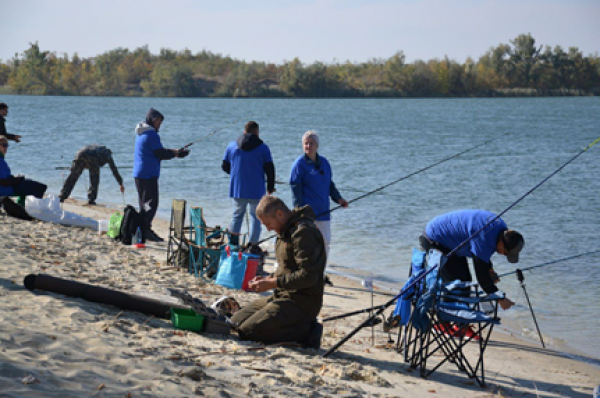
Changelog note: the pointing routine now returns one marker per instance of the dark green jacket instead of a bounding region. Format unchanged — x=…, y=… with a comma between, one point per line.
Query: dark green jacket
x=301, y=255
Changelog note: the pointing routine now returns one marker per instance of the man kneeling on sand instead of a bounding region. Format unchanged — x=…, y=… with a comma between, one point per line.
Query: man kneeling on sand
x=290, y=314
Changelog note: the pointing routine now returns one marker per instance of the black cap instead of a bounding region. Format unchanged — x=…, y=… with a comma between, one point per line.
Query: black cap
x=513, y=244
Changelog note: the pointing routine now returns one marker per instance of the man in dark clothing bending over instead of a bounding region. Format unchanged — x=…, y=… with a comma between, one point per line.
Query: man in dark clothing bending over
x=149, y=152
x=92, y=158
x=3, y=132
x=290, y=314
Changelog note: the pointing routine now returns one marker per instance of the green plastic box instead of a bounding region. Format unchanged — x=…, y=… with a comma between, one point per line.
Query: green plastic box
x=186, y=319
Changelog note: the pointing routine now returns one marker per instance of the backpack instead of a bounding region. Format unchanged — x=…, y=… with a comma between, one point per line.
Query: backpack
x=114, y=226
x=132, y=220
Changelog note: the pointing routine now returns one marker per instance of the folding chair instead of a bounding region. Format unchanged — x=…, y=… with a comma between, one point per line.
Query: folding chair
x=444, y=322
x=177, y=242
x=206, y=244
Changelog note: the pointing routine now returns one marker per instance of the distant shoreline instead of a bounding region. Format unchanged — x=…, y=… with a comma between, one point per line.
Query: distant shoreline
x=500, y=93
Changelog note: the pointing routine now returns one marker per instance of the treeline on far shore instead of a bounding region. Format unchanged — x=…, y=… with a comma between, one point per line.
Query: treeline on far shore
x=520, y=68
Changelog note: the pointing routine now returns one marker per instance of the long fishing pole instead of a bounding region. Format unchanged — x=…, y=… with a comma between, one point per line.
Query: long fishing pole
x=431, y=269
x=550, y=263
x=521, y=279
x=414, y=173
x=348, y=314
x=345, y=189
x=211, y=133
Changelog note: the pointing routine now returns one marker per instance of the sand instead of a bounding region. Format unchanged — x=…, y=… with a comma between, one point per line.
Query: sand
x=56, y=346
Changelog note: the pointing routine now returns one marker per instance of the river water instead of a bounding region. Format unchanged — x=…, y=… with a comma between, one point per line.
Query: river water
x=371, y=142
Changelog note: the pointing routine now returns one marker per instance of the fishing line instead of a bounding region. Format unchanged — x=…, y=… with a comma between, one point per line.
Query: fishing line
x=348, y=314
x=211, y=133
x=549, y=263
x=345, y=189
x=431, y=269
x=183, y=147
x=397, y=181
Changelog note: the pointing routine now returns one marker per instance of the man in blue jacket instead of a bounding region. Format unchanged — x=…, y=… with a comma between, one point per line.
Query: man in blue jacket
x=149, y=152
x=247, y=160
x=448, y=231
x=16, y=185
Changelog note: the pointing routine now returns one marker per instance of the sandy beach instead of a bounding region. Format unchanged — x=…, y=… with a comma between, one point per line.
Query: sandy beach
x=52, y=345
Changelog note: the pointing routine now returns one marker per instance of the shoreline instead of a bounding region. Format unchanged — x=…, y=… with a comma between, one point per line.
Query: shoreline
x=60, y=346
x=383, y=287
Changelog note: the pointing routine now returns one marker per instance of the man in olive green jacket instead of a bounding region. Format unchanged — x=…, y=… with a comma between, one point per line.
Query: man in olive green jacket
x=290, y=314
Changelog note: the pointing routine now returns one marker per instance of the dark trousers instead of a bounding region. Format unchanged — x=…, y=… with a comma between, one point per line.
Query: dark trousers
x=272, y=321
x=456, y=267
x=148, y=199
x=77, y=168
x=30, y=187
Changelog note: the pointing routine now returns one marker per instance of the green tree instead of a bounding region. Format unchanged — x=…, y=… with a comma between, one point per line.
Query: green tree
x=523, y=58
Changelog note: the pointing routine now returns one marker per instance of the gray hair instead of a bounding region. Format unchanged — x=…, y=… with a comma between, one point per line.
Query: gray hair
x=311, y=134
x=3, y=140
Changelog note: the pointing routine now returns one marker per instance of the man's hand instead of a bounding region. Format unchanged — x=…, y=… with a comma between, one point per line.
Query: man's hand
x=505, y=303
x=181, y=153
x=17, y=138
x=343, y=202
x=494, y=276
x=261, y=284
x=122, y=188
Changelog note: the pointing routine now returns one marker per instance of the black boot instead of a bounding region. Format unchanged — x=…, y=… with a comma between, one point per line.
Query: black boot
x=313, y=338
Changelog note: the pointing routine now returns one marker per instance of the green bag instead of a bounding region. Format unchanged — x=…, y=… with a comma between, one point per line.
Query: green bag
x=114, y=225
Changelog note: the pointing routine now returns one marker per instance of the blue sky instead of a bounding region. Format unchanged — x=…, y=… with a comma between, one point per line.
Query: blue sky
x=323, y=30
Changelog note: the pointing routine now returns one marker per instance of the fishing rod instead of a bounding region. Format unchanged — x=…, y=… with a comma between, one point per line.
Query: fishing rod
x=211, y=133
x=521, y=279
x=383, y=307
x=549, y=263
x=279, y=182
x=68, y=168
x=414, y=173
x=348, y=314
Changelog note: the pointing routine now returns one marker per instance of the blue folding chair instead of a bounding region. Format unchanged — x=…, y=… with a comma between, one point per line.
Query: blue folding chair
x=444, y=320
x=206, y=244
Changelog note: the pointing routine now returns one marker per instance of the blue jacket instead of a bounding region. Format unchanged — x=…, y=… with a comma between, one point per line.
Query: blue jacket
x=5, y=190
x=149, y=152
x=452, y=229
x=248, y=160
x=312, y=184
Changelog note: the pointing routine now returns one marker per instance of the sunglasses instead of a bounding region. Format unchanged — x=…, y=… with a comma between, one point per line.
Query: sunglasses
x=4, y=145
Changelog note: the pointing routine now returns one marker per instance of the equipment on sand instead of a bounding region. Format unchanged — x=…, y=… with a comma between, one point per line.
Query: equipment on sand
x=97, y=294
x=521, y=279
x=417, y=280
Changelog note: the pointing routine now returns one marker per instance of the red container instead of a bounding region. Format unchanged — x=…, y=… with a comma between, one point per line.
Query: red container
x=252, y=261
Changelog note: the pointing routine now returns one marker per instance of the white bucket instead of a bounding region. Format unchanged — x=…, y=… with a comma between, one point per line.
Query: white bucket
x=102, y=226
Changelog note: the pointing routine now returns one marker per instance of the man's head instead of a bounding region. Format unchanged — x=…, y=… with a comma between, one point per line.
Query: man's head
x=3, y=109
x=154, y=118
x=251, y=128
x=510, y=243
x=273, y=213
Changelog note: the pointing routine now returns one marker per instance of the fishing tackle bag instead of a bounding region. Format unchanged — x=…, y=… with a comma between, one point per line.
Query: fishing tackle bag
x=236, y=269
x=132, y=220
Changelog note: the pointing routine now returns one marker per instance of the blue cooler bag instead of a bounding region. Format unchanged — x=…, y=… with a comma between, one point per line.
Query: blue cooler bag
x=232, y=269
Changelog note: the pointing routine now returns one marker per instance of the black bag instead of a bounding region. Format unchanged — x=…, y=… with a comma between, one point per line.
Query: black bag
x=132, y=220
x=15, y=210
